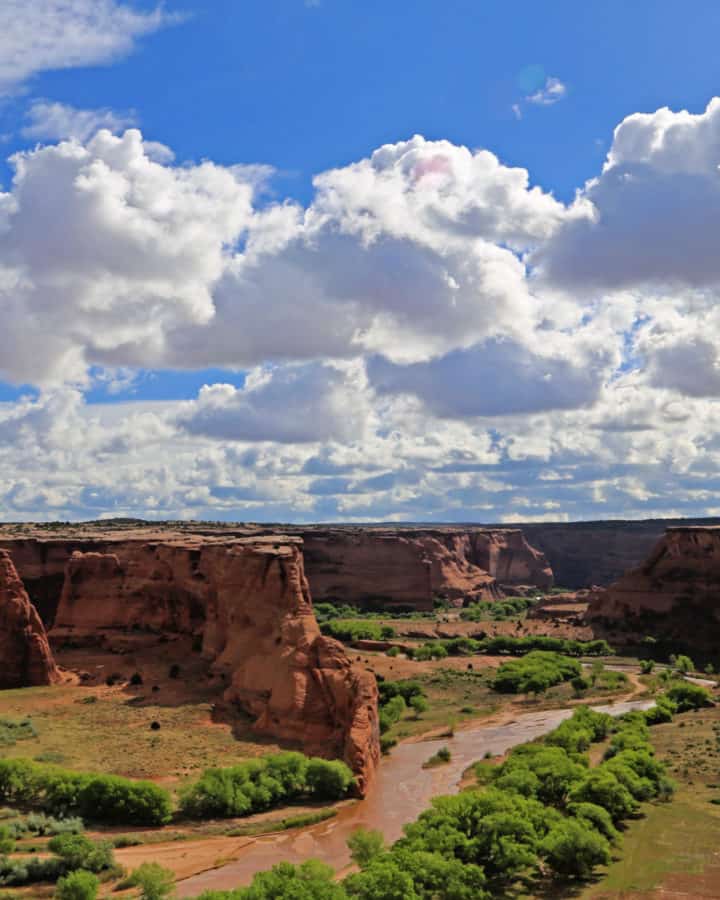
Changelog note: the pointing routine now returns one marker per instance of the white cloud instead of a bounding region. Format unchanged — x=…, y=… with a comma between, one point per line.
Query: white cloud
x=128, y=247
x=651, y=217
x=42, y=35
x=56, y=121
x=430, y=338
x=551, y=92
x=309, y=403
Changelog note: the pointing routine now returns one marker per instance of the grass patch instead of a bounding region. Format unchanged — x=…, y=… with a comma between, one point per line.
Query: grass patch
x=675, y=840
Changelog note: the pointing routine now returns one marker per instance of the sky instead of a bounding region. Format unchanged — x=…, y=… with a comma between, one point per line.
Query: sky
x=314, y=260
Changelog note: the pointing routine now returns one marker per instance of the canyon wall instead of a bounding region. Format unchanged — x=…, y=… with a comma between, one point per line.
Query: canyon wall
x=583, y=554
x=674, y=595
x=248, y=602
x=409, y=567
x=25, y=656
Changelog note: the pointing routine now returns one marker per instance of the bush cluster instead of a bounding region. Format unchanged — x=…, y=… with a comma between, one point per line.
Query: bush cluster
x=506, y=645
x=101, y=798
x=260, y=784
x=395, y=698
x=70, y=853
x=497, y=610
x=349, y=630
x=535, y=672
x=13, y=730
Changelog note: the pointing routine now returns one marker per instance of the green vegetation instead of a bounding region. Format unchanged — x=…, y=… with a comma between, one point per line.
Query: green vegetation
x=365, y=845
x=349, y=630
x=155, y=882
x=544, y=813
x=395, y=698
x=261, y=784
x=440, y=758
x=78, y=885
x=507, y=645
x=535, y=673
x=686, y=695
x=498, y=610
x=326, y=612
x=102, y=798
x=70, y=853
x=14, y=730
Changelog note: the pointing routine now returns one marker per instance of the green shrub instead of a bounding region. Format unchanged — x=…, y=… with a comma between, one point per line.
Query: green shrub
x=573, y=849
x=391, y=712
x=365, y=845
x=79, y=852
x=102, y=798
x=686, y=696
x=328, y=779
x=602, y=788
x=534, y=673
x=77, y=886
x=7, y=840
x=260, y=784
x=155, y=882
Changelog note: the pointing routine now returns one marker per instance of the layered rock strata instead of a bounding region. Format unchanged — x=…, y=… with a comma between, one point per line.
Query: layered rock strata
x=248, y=601
x=25, y=656
x=410, y=568
x=674, y=595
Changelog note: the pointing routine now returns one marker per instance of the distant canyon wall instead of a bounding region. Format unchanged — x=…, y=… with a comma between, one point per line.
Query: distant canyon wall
x=673, y=596
x=583, y=554
x=408, y=568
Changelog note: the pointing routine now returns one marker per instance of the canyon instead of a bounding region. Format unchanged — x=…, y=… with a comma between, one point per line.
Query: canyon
x=673, y=596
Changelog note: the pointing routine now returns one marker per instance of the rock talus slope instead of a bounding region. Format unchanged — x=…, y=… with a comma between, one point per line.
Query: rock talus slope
x=674, y=595
x=249, y=602
x=25, y=655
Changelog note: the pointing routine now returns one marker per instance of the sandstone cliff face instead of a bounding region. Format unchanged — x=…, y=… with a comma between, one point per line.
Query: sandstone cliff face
x=250, y=602
x=674, y=595
x=409, y=568
x=25, y=656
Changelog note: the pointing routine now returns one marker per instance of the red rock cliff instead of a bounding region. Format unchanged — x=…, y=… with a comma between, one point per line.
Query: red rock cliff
x=25, y=656
x=406, y=567
x=673, y=595
x=250, y=601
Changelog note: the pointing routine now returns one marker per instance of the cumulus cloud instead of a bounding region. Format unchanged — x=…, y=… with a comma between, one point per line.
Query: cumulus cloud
x=63, y=34
x=491, y=379
x=54, y=121
x=431, y=337
x=651, y=216
x=127, y=248
x=308, y=403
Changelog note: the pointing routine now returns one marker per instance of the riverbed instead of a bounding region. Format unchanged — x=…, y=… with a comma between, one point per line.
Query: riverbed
x=401, y=790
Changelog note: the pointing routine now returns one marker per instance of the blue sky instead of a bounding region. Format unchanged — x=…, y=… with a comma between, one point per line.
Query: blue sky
x=308, y=87
x=462, y=344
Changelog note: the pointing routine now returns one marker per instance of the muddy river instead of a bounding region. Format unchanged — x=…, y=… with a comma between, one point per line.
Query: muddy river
x=400, y=792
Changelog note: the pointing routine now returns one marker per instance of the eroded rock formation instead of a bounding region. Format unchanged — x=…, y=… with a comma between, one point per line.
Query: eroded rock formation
x=674, y=595
x=25, y=656
x=409, y=568
x=249, y=602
